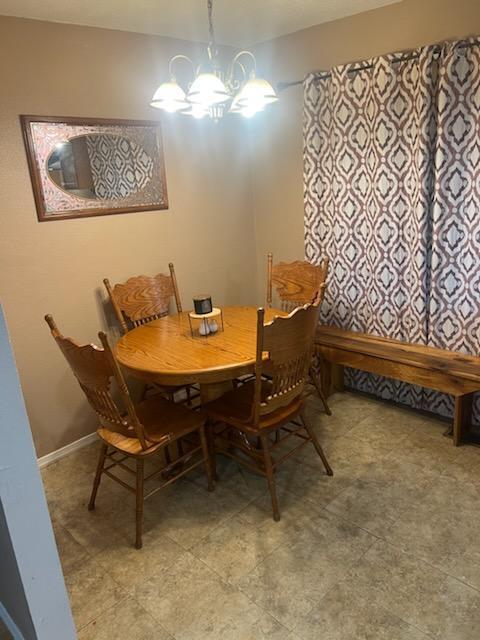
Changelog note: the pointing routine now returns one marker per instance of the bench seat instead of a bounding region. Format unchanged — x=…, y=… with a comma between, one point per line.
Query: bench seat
x=447, y=371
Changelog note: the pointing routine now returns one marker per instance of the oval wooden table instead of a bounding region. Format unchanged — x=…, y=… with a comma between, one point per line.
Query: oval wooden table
x=164, y=351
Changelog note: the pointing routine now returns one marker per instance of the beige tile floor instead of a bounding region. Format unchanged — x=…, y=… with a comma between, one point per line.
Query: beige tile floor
x=387, y=549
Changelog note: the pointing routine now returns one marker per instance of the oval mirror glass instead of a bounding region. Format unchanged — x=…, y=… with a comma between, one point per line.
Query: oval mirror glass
x=99, y=166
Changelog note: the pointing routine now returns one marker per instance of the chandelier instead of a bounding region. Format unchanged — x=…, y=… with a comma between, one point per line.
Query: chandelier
x=213, y=91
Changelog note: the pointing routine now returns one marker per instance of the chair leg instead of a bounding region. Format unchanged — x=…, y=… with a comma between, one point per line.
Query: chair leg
x=98, y=476
x=207, y=458
x=139, y=503
x=319, y=389
x=210, y=437
x=316, y=444
x=269, y=473
x=189, y=395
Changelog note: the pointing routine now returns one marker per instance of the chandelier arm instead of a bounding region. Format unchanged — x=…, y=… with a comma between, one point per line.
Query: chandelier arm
x=231, y=82
x=235, y=61
x=179, y=57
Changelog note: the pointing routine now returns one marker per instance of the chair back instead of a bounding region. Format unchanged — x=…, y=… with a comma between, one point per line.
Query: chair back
x=94, y=369
x=294, y=284
x=142, y=299
x=289, y=343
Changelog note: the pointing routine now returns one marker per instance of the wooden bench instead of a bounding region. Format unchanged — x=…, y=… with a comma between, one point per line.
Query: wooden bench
x=438, y=369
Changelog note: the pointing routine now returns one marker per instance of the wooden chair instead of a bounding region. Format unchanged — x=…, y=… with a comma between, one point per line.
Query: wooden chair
x=128, y=431
x=294, y=284
x=142, y=299
x=265, y=406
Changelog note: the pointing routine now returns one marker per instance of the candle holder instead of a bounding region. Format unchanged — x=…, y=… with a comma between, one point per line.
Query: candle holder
x=205, y=324
x=202, y=304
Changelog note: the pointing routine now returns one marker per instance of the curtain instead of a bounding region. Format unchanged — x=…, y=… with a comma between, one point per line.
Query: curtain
x=391, y=157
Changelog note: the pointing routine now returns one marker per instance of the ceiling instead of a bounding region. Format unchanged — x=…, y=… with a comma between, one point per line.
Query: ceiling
x=237, y=22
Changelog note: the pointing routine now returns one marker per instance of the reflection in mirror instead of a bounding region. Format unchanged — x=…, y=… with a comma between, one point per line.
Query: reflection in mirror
x=99, y=166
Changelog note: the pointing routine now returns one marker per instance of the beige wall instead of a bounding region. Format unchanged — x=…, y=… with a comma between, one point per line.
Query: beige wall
x=57, y=267
x=276, y=143
x=226, y=210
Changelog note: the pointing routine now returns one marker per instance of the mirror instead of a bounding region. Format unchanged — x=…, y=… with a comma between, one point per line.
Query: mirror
x=99, y=166
x=94, y=167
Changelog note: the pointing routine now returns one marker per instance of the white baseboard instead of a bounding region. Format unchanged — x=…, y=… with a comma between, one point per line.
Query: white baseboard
x=64, y=451
x=10, y=624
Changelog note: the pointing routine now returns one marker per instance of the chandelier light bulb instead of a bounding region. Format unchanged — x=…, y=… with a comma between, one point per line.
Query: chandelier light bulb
x=247, y=111
x=197, y=111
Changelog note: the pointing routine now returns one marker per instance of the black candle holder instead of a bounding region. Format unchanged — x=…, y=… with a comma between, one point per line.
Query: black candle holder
x=202, y=304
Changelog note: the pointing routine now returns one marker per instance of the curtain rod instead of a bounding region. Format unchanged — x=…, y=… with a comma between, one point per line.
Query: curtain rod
x=324, y=75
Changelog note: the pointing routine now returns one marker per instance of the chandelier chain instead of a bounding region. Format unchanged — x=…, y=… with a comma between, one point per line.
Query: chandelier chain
x=210, y=22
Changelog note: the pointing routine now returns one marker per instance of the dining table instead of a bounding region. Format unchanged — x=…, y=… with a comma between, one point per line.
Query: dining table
x=165, y=352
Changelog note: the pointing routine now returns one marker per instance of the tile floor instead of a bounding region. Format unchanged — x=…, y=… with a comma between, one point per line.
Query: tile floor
x=387, y=549
x=4, y=633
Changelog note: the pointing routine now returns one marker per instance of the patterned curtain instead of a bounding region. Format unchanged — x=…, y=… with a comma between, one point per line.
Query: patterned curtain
x=391, y=157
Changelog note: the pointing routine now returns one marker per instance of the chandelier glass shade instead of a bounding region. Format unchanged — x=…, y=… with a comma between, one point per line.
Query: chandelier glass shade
x=214, y=92
x=207, y=89
x=170, y=97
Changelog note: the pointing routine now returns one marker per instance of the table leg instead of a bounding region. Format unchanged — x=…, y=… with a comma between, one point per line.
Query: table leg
x=209, y=392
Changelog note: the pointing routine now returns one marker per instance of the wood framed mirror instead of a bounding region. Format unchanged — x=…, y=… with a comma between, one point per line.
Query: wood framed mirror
x=82, y=167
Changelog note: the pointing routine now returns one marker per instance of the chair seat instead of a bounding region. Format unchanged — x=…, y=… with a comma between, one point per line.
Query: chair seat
x=235, y=408
x=130, y=446
x=163, y=422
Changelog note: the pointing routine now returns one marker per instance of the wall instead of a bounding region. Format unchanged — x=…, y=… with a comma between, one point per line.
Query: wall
x=276, y=141
x=58, y=267
x=32, y=589
x=13, y=603
x=226, y=210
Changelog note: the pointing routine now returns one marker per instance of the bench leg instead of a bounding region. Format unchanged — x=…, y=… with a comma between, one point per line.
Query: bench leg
x=462, y=417
x=331, y=375
x=337, y=377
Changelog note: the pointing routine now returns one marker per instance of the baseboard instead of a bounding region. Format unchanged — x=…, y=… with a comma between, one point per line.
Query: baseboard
x=10, y=624
x=67, y=449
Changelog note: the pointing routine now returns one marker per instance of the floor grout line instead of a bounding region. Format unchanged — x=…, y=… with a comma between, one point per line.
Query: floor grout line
x=432, y=566
x=80, y=628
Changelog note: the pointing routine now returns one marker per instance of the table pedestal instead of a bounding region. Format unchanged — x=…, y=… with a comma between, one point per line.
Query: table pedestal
x=213, y=390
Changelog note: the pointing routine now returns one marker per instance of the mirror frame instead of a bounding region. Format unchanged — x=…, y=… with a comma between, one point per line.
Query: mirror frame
x=39, y=173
